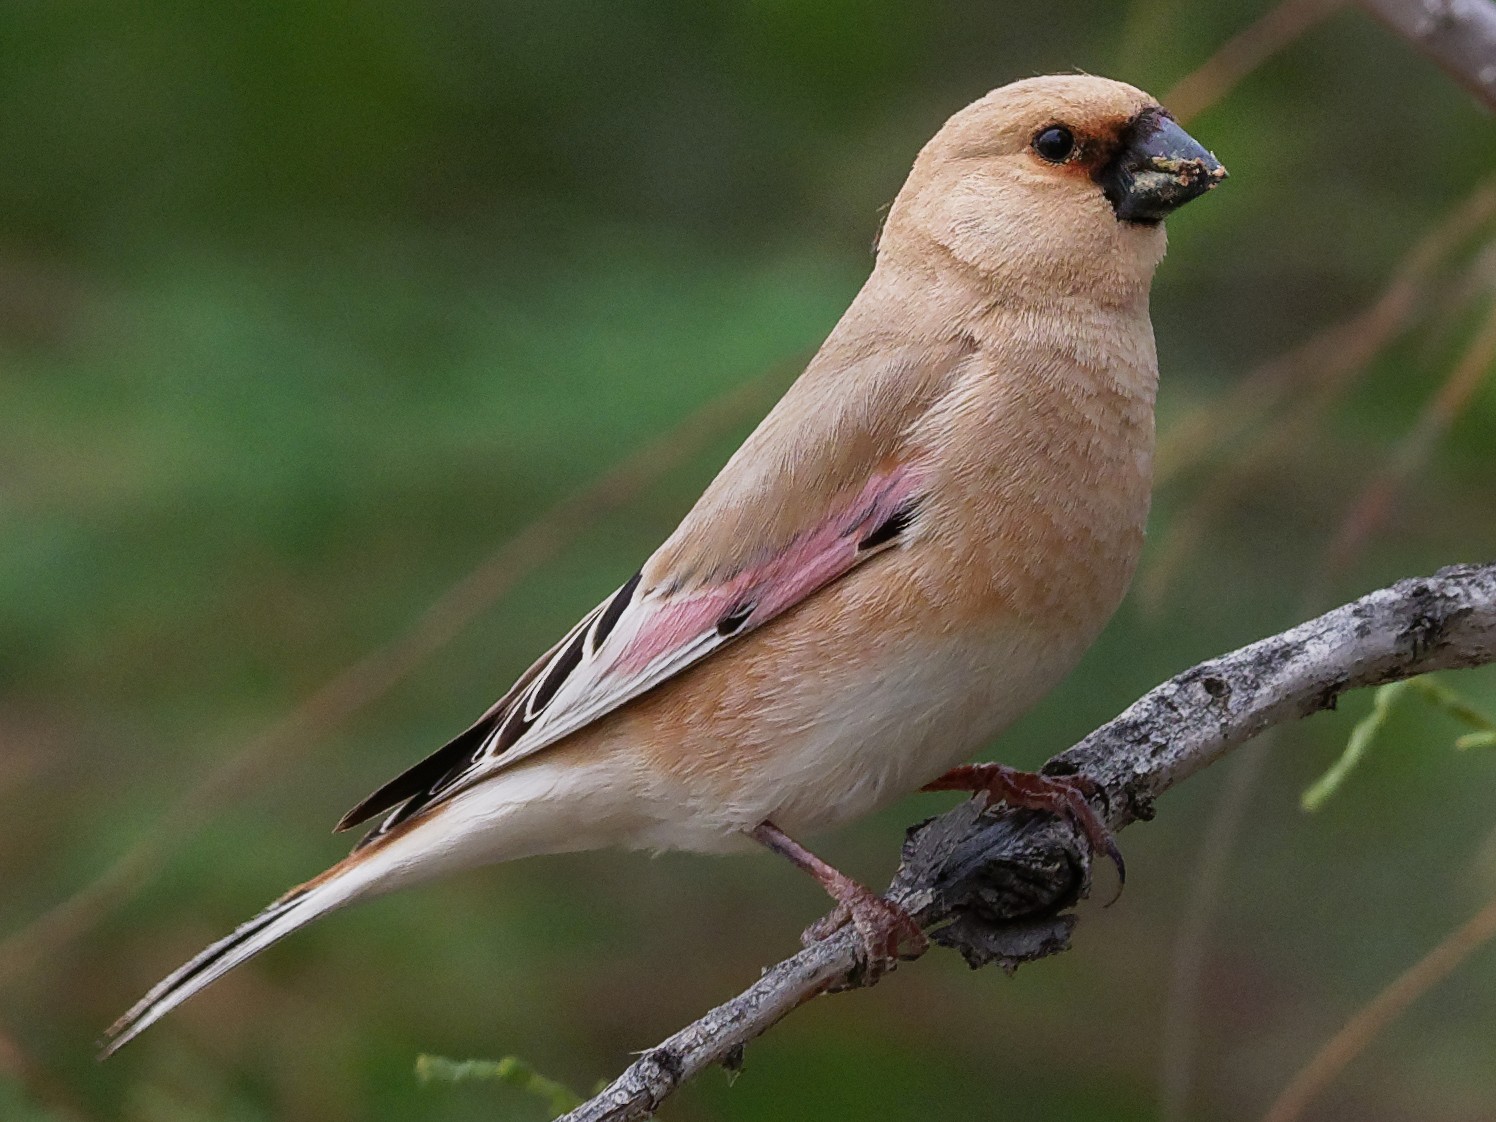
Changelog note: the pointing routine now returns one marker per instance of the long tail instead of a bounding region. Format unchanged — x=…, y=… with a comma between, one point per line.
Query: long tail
x=538, y=807
x=355, y=877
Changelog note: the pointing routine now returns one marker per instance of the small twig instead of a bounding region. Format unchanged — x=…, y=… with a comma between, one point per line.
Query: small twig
x=1328, y=361
x=1179, y=1045
x=1459, y=35
x=1324, y=368
x=17, y=1068
x=1372, y=509
x=371, y=677
x=999, y=887
x=1328, y=365
x=1381, y=1011
x=1244, y=52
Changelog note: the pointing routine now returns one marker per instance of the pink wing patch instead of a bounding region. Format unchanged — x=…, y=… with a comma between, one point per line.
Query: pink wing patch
x=756, y=595
x=640, y=637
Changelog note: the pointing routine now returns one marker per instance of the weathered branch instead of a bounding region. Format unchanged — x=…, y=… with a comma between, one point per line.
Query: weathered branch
x=1458, y=35
x=998, y=887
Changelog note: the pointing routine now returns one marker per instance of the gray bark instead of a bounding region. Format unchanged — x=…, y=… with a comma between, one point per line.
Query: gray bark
x=999, y=886
x=1459, y=35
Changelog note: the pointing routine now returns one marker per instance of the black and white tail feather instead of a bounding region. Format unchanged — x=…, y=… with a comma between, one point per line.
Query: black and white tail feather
x=580, y=679
x=529, y=717
x=297, y=908
x=368, y=871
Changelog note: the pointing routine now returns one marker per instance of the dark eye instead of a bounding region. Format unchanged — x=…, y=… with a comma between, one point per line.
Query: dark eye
x=1055, y=144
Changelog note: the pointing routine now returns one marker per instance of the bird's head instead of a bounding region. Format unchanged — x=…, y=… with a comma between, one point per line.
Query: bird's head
x=1063, y=179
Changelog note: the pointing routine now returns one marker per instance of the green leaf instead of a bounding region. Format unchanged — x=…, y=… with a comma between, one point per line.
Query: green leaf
x=558, y=1097
x=1455, y=705
x=1434, y=692
x=1361, y=737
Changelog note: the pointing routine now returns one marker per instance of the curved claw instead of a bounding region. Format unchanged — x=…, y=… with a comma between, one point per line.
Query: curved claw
x=1067, y=796
x=883, y=928
x=828, y=925
x=1079, y=790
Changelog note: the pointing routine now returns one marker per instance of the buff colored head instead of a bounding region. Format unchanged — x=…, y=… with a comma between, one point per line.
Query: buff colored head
x=1062, y=180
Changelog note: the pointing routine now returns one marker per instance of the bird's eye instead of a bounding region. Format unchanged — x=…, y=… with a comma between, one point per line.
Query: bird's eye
x=1055, y=144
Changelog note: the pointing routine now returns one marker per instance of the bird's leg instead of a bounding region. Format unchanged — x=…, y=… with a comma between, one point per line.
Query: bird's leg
x=881, y=925
x=1064, y=795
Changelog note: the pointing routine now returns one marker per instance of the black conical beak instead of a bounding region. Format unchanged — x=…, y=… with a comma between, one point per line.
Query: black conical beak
x=1157, y=169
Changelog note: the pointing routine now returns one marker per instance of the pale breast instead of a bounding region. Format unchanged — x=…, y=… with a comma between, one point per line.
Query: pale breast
x=1043, y=468
x=912, y=663
x=842, y=705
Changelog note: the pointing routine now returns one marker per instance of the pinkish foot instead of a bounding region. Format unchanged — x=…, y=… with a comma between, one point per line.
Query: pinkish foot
x=883, y=928
x=1067, y=796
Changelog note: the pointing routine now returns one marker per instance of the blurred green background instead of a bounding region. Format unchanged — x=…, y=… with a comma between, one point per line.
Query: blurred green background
x=307, y=308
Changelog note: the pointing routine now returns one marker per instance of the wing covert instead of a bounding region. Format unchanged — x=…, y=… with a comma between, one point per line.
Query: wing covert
x=640, y=637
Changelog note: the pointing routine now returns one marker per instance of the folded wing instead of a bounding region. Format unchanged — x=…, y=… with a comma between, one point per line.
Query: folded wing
x=643, y=635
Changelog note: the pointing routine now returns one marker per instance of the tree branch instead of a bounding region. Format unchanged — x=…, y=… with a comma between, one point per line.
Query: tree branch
x=1458, y=35
x=998, y=886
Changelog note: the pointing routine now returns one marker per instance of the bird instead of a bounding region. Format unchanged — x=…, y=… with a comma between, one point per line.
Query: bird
x=917, y=543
